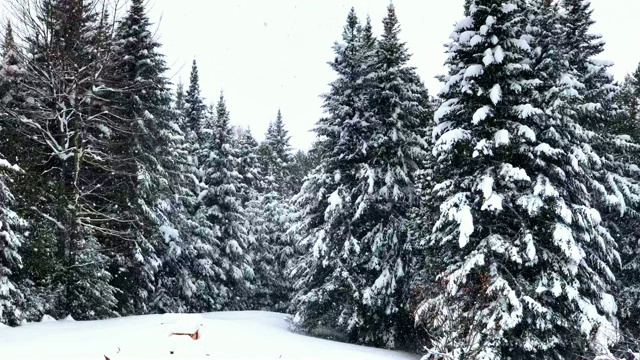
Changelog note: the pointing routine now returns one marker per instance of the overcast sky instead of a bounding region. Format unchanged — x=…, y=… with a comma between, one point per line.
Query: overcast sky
x=273, y=54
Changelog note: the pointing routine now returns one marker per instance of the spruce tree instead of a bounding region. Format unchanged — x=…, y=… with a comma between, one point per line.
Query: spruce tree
x=179, y=104
x=317, y=226
x=272, y=250
x=262, y=257
x=268, y=217
x=193, y=122
x=228, y=262
x=398, y=110
x=614, y=134
x=11, y=296
x=627, y=125
x=11, y=97
x=627, y=232
x=521, y=257
x=250, y=190
x=280, y=215
x=145, y=104
x=277, y=155
x=189, y=277
x=175, y=285
x=358, y=232
x=194, y=105
x=12, y=300
x=249, y=165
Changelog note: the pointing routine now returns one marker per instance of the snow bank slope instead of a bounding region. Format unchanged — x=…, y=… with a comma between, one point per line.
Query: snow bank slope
x=228, y=335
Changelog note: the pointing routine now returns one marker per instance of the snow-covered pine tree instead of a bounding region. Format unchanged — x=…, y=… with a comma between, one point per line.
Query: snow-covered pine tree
x=249, y=165
x=187, y=271
x=269, y=217
x=421, y=219
x=521, y=257
x=252, y=185
x=397, y=111
x=11, y=68
x=228, y=265
x=193, y=121
x=277, y=156
x=261, y=252
x=318, y=227
x=179, y=104
x=608, y=133
x=195, y=108
x=145, y=103
x=10, y=49
x=12, y=71
x=12, y=300
x=175, y=280
x=355, y=205
x=627, y=123
x=614, y=135
x=280, y=215
x=597, y=107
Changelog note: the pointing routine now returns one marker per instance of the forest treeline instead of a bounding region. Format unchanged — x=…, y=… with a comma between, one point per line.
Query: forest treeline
x=495, y=220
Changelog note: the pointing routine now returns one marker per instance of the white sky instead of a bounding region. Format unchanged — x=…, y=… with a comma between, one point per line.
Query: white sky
x=273, y=54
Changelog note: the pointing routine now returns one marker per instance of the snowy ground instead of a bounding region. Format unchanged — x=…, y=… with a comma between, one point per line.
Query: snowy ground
x=229, y=335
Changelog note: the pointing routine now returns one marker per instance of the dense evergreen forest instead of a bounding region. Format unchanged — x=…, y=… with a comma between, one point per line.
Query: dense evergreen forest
x=497, y=219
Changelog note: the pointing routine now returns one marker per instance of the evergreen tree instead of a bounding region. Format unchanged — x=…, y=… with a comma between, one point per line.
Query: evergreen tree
x=261, y=252
x=11, y=297
x=195, y=108
x=268, y=217
x=272, y=250
x=252, y=185
x=614, y=134
x=193, y=122
x=228, y=262
x=9, y=49
x=12, y=71
x=145, y=104
x=277, y=155
x=176, y=280
x=399, y=111
x=522, y=259
x=313, y=205
x=249, y=166
x=627, y=124
x=189, y=276
x=179, y=102
x=358, y=232
x=280, y=215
